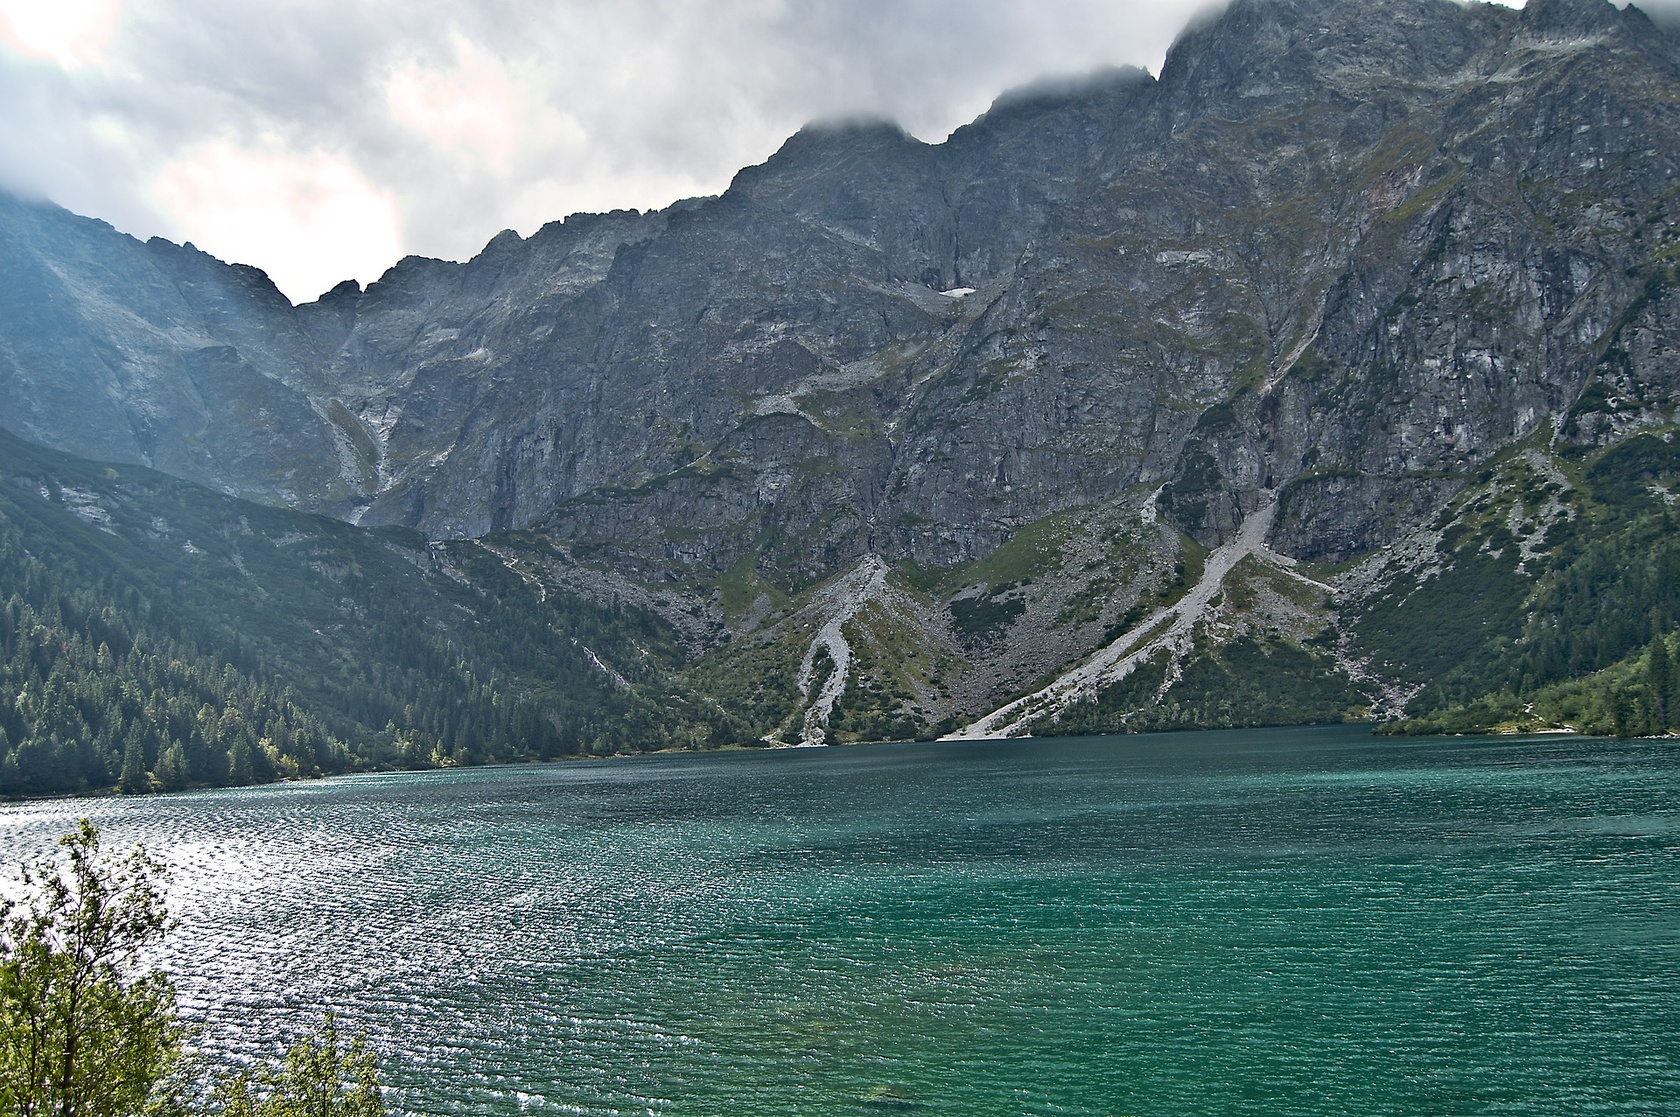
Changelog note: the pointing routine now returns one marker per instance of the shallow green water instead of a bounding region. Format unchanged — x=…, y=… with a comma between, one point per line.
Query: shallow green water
x=1275, y=922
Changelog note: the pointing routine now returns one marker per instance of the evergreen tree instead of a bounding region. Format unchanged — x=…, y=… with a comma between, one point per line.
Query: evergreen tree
x=111, y=635
x=239, y=763
x=172, y=767
x=1659, y=676
x=134, y=780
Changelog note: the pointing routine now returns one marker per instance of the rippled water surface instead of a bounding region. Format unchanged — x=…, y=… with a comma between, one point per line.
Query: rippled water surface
x=1276, y=922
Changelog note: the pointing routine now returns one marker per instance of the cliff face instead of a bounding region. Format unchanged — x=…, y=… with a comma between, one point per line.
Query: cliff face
x=1335, y=258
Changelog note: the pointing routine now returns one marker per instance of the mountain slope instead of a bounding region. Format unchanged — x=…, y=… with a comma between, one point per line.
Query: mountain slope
x=142, y=615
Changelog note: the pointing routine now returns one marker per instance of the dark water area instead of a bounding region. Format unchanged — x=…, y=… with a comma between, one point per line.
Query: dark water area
x=1258, y=922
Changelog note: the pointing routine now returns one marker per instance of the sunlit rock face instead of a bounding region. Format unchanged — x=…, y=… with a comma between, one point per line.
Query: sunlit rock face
x=1341, y=249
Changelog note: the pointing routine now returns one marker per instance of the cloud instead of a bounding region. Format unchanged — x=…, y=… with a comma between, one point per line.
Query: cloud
x=258, y=206
x=441, y=122
x=306, y=136
x=472, y=110
x=71, y=33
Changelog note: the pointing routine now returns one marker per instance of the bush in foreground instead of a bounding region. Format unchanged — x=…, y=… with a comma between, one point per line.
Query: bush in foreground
x=87, y=1031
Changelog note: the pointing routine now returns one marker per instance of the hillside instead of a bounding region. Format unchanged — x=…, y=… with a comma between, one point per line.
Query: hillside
x=153, y=633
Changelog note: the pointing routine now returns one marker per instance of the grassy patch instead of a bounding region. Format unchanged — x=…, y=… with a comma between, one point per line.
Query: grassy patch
x=1251, y=681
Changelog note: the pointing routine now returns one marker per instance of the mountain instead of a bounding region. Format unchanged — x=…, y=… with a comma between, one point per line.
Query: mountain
x=1284, y=386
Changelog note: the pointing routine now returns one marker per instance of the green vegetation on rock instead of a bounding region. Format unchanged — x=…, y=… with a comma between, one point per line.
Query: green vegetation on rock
x=1572, y=641
x=1251, y=681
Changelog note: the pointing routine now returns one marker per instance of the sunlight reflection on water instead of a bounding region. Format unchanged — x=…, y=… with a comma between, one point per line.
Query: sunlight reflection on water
x=1267, y=922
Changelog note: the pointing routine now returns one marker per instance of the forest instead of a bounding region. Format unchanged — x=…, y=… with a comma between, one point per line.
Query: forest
x=1581, y=637
x=157, y=636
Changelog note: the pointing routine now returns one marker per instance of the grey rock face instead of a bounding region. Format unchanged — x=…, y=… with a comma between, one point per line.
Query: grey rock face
x=156, y=354
x=1346, y=250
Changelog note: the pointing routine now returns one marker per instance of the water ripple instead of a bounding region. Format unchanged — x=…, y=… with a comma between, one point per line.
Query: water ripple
x=1281, y=922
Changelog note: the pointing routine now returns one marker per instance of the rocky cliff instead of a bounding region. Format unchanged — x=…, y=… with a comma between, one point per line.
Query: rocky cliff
x=1328, y=266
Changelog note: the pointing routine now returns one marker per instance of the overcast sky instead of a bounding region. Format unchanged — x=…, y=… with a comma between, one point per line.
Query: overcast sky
x=324, y=139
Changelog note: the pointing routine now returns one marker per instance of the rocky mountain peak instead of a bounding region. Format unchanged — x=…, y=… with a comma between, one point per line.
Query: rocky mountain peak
x=1260, y=53
x=1576, y=18
x=1060, y=94
x=848, y=149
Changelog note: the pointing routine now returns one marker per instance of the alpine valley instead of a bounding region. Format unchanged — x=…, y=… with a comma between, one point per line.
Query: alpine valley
x=1330, y=375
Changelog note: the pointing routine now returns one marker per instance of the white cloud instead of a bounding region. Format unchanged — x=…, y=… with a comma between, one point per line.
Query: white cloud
x=266, y=206
x=72, y=33
x=472, y=110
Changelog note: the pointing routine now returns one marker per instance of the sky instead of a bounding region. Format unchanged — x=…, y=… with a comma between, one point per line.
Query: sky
x=324, y=139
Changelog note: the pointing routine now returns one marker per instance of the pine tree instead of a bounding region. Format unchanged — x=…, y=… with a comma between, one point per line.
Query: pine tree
x=239, y=763
x=1659, y=676
x=134, y=780
x=172, y=767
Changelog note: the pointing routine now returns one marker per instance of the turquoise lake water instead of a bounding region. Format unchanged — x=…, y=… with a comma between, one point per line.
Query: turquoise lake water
x=1266, y=922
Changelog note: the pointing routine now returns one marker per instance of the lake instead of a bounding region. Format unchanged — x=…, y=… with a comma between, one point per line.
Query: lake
x=1256, y=922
